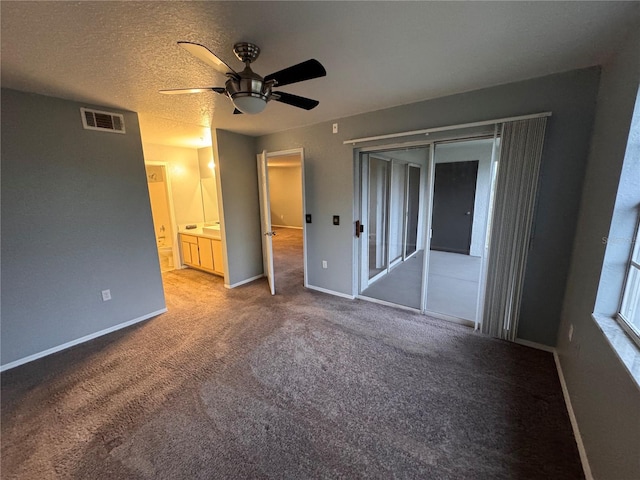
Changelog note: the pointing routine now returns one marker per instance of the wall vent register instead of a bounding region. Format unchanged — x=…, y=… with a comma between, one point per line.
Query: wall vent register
x=102, y=121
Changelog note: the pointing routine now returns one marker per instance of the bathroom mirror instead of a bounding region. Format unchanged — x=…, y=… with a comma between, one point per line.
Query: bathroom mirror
x=208, y=186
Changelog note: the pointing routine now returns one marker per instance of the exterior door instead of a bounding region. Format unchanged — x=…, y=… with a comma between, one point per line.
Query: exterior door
x=454, y=194
x=265, y=220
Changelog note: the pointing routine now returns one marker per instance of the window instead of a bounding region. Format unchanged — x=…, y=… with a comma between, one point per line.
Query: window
x=629, y=314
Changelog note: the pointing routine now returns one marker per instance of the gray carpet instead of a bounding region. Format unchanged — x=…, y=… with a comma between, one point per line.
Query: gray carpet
x=237, y=384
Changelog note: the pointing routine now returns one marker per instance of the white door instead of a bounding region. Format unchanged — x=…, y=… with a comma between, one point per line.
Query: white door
x=265, y=220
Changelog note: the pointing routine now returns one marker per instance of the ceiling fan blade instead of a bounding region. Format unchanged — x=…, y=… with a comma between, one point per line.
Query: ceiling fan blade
x=298, y=73
x=207, y=56
x=295, y=100
x=237, y=112
x=177, y=91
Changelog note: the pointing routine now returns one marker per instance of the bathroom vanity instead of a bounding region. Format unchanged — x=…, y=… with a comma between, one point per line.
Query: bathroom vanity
x=202, y=249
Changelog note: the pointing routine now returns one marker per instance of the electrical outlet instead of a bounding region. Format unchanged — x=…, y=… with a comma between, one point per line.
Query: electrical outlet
x=106, y=295
x=571, y=332
x=335, y=128
x=324, y=264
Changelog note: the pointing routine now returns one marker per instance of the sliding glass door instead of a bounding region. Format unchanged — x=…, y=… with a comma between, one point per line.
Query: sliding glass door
x=391, y=204
x=378, y=207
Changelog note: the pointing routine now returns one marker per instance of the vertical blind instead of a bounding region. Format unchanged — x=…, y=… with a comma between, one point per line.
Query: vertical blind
x=515, y=196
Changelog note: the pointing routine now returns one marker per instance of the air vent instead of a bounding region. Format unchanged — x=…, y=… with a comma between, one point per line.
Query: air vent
x=102, y=121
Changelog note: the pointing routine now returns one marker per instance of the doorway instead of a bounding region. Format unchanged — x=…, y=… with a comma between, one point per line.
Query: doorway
x=162, y=214
x=283, y=217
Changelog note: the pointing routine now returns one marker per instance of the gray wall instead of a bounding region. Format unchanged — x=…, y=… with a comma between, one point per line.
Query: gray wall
x=76, y=220
x=330, y=185
x=237, y=176
x=605, y=399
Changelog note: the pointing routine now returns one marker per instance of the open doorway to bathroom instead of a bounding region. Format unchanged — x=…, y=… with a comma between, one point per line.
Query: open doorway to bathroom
x=157, y=182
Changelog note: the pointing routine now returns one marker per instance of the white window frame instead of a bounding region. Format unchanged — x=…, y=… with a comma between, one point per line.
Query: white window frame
x=630, y=294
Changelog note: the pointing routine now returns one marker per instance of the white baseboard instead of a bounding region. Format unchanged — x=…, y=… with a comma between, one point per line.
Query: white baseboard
x=243, y=282
x=72, y=343
x=574, y=422
x=330, y=292
x=537, y=346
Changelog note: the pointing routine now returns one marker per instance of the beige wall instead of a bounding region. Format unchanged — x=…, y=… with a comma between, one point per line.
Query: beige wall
x=184, y=176
x=285, y=192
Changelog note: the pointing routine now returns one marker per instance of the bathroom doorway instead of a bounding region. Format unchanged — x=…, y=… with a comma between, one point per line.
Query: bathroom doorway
x=162, y=213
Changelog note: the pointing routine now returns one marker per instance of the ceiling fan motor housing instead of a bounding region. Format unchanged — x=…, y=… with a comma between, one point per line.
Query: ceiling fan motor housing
x=248, y=85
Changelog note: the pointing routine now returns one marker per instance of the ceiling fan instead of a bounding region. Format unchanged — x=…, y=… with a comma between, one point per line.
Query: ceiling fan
x=248, y=91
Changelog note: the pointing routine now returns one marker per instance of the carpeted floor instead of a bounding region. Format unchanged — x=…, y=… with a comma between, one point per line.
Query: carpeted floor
x=237, y=384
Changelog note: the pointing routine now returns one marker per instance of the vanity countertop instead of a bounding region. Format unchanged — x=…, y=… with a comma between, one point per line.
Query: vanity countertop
x=199, y=232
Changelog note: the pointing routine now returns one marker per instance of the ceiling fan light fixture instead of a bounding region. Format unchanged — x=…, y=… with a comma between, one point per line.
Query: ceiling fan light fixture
x=249, y=103
x=248, y=91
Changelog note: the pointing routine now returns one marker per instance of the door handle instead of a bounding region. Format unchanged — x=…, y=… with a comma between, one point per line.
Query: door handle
x=359, y=228
x=468, y=213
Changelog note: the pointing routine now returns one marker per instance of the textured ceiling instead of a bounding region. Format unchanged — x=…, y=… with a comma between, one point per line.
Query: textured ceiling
x=377, y=54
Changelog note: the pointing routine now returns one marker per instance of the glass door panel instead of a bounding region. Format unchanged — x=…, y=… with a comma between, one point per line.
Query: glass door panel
x=460, y=215
x=391, y=208
x=378, y=208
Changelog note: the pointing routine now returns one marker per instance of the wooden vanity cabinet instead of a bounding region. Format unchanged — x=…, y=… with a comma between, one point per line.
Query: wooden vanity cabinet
x=201, y=252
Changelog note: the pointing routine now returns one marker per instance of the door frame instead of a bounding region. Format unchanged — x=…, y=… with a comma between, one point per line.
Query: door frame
x=177, y=258
x=300, y=153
